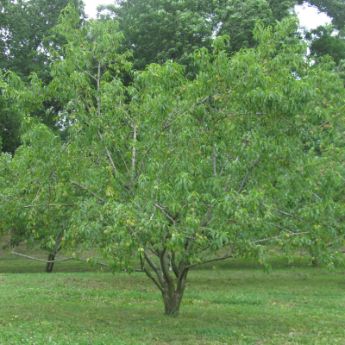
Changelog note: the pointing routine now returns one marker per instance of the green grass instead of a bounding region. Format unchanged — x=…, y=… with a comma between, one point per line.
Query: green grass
x=227, y=305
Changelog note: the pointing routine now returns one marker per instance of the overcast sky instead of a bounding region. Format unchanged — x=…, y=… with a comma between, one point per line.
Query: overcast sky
x=309, y=16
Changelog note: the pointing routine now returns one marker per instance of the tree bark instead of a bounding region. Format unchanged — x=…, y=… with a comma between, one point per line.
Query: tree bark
x=173, y=294
x=171, y=284
x=172, y=302
x=51, y=256
x=50, y=263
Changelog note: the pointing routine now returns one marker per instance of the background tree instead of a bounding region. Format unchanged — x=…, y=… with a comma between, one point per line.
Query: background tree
x=36, y=197
x=16, y=100
x=25, y=40
x=37, y=205
x=157, y=31
x=24, y=27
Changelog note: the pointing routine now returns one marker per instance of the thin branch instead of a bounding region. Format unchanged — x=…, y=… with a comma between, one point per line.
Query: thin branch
x=91, y=76
x=167, y=124
x=214, y=160
x=148, y=273
x=165, y=268
x=222, y=258
x=154, y=268
x=292, y=234
x=49, y=205
x=110, y=158
x=134, y=151
x=284, y=213
x=56, y=260
x=167, y=214
x=40, y=260
x=174, y=265
x=246, y=177
x=98, y=81
x=99, y=113
x=88, y=190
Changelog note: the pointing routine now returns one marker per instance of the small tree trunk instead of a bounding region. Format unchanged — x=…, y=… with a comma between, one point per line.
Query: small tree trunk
x=315, y=262
x=171, y=284
x=172, y=302
x=50, y=263
x=51, y=256
x=173, y=294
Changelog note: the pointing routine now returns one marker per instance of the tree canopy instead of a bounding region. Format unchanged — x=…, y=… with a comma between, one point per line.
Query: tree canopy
x=170, y=171
x=157, y=31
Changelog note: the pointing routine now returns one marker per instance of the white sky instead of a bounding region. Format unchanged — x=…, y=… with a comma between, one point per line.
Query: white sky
x=91, y=6
x=309, y=16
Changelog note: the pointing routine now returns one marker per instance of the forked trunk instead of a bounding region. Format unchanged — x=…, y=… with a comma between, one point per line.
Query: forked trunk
x=169, y=276
x=172, y=303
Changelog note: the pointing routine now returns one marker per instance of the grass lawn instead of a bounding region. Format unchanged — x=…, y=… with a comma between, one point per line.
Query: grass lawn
x=226, y=305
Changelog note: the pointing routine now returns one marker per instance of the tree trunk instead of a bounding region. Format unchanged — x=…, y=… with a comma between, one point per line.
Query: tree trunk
x=50, y=263
x=172, y=302
x=315, y=262
x=51, y=256
x=173, y=294
x=171, y=282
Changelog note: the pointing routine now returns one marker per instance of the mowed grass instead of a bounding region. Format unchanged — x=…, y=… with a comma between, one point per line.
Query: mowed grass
x=231, y=304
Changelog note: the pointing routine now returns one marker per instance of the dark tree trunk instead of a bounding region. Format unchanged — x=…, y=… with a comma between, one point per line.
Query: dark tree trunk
x=50, y=263
x=315, y=262
x=52, y=255
x=172, y=302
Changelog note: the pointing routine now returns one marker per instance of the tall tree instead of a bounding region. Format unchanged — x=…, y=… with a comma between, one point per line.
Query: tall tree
x=247, y=153
x=324, y=41
x=24, y=26
x=35, y=206
x=160, y=30
x=24, y=49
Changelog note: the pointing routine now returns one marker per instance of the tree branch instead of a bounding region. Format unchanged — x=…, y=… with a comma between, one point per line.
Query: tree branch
x=165, y=268
x=214, y=160
x=154, y=268
x=245, y=179
x=222, y=258
x=40, y=260
x=167, y=214
x=108, y=153
x=291, y=234
x=148, y=273
x=174, y=265
x=49, y=205
x=134, y=151
x=88, y=190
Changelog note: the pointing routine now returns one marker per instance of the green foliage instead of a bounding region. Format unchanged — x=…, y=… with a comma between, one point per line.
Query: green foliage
x=16, y=100
x=10, y=116
x=176, y=172
x=25, y=43
x=35, y=204
x=158, y=31
x=23, y=29
x=325, y=42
